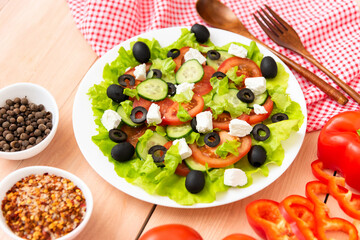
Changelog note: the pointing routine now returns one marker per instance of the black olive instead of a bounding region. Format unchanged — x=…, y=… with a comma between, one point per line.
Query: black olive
x=257, y=156
x=279, y=117
x=122, y=152
x=258, y=131
x=213, y=54
x=173, y=53
x=137, y=110
x=195, y=181
x=268, y=67
x=116, y=93
x=141, y=52
x=154, y=73
x=193, y=124
x=246, y=95
x=126, y=80
x=212, y=139
x=158, y=154
x=117, y=135
x=202, y=34
x=219, y=75
x=171, y=89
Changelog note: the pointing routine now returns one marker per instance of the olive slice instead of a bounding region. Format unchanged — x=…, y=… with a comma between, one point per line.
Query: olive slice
x=193, y=124
x=154, y=73
x=126, y=80
x=158, y=154
x=173, y=53
x=279, y=117
x=135, y=112
x=171, y=89
x=212, y=139
x=116, y=93
x=257, y=156
x=246, y=95
x=219, y=75
x=213, y=54
x=117, y=135
x=122, y=152
x=258, y=130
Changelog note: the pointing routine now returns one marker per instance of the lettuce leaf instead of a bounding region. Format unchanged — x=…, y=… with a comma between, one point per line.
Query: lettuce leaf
x=167, y=67
x=127, y=106
x=231, y=73
x=228, y=147
x=185, y=96
x=182, y=114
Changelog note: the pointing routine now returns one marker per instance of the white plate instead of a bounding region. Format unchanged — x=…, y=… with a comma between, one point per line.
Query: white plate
x=84, y=126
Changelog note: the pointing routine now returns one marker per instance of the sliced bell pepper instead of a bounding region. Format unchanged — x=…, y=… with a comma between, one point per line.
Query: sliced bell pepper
x=323, y=222
x=318, y=170
x=265, y=218
x=298, y=211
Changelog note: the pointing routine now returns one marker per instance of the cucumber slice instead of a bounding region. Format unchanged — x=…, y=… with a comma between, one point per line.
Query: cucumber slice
x=126, y=118
x=193, y=165
x=156, y=139
x=216, y=63
x=191, y=72
x=259, y=99
x=180, y=131
x=153, y=89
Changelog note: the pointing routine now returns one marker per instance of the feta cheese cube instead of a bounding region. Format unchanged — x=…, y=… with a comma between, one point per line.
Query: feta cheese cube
x=239, y=128
x=235, y=177
x=153, y=115
x=140, y=72
x=183, y=87
x=259, y=109
x=204, y=122
x=256, y=84
x=110, y=119
x=194, y=54
x=237, y=50
x=184, y=149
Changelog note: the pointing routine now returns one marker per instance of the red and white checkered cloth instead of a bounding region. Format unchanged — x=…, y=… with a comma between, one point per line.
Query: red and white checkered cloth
x=330, y=30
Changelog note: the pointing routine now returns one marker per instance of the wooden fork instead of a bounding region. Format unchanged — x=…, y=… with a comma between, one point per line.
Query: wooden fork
x=284, y=35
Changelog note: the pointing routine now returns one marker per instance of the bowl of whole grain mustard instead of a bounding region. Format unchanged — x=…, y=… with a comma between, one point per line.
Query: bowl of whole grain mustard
x=43, y=202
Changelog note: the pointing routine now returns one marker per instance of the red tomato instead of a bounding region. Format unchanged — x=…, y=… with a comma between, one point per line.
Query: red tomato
x=133, y=133
x=238, y=236
x=131, y=72
x=142, y=103
x=256, y=118
x=207, y=154
x=165, y=105
x=223, y=120
x=179, y=60
x=182, y=169
x=193, y=107
x=246, y=67
x=171, y=231
x=204, y=87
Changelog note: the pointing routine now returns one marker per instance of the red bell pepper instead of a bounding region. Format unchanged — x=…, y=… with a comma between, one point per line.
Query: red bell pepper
x=318, y=170
x=339, y=146
x=298, y=211
x=265, y=218
x=322, y=220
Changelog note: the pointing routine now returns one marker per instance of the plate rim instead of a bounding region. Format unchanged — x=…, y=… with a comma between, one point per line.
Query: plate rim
x=137, y=191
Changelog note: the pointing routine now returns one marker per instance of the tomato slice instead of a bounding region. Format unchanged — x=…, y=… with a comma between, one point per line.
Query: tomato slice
x=179, y=60
x=207, y=155
x=182, y=169
x=246, y=67
x=223, y=120
x=204, y=87
x=133, y=133
x=141, y=102
x=256, y=118
x=193, y=107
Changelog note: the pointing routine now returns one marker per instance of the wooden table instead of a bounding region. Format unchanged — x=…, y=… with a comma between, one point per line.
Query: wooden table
x=40, y=43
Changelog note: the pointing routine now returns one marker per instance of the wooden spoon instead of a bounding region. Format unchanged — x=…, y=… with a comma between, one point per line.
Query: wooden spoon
x=220, y=16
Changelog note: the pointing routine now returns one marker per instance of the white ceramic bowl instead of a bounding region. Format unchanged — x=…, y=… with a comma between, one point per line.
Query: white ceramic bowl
x=17, y=175
x=38, y=95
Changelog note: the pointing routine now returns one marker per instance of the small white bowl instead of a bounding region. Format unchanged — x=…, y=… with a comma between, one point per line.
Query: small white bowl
x=38, y=95
x=17, y=175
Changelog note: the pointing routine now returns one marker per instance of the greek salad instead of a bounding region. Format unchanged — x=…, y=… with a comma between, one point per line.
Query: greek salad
x=192, y=119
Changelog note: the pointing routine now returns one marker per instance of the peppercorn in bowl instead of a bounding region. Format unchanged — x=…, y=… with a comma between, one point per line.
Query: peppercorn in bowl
x=43, y=202
x=29, y=117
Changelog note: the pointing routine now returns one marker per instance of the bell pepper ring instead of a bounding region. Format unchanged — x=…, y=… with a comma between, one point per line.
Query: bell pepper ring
x=339, y=146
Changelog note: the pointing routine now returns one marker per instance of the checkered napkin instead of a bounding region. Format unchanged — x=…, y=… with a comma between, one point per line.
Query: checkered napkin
x=330, y=30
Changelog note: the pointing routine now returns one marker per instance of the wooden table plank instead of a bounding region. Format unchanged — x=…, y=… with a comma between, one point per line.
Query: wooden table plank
x=40, y=44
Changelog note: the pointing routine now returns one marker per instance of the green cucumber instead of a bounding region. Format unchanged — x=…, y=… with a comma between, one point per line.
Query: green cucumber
x=259, y=99
x=193, y=165
x=216, y=63
x=126, y=118
x=156, y=139
x=191, y=71
x=153, y=89
x=180, y=131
